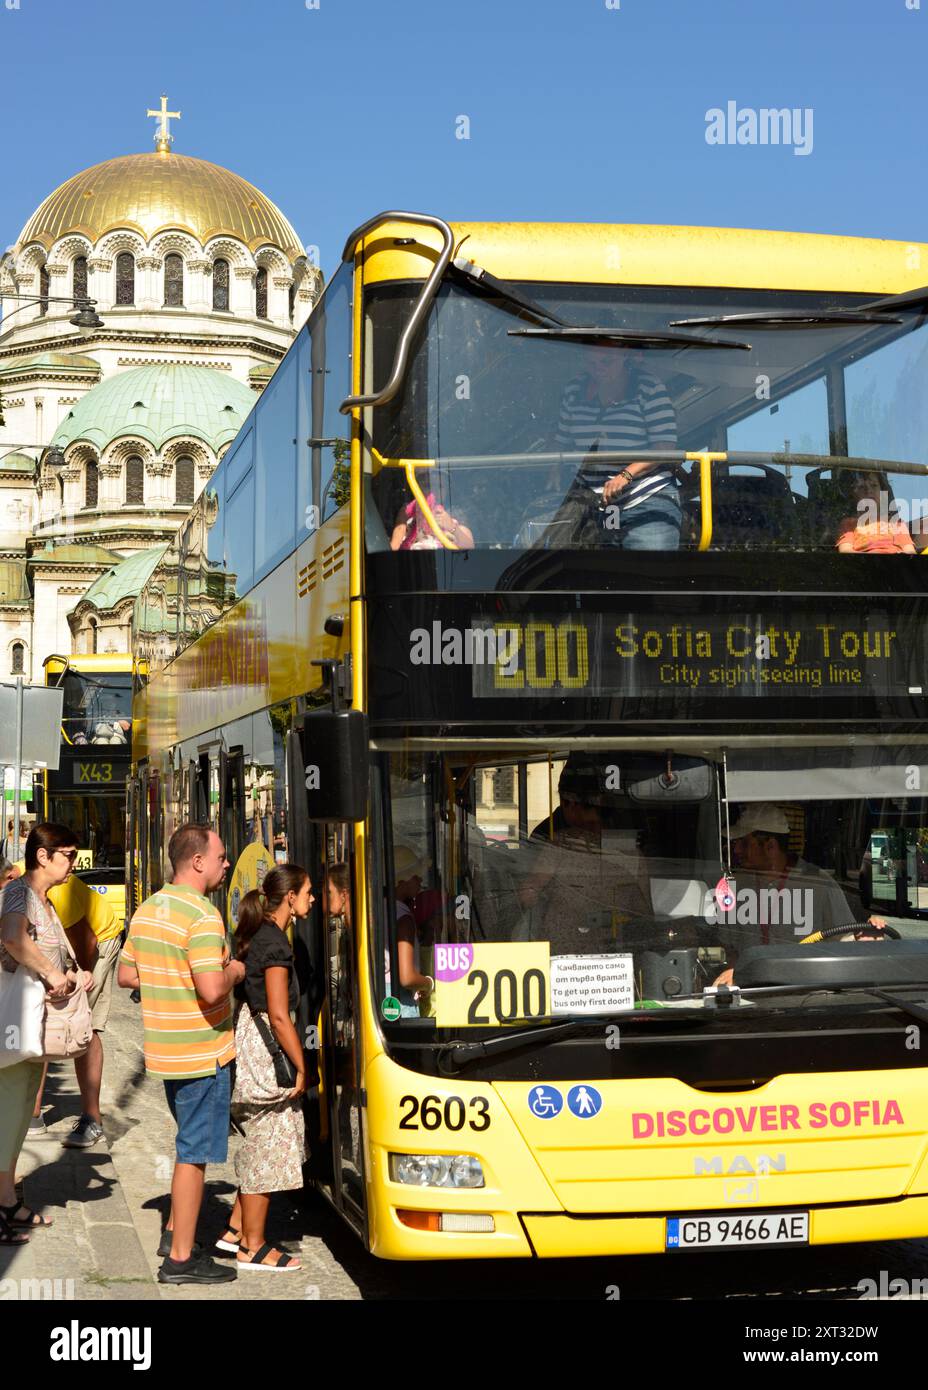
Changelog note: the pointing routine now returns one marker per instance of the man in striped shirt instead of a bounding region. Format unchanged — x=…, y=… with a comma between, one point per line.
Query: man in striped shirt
x=177, y=956
x=617, y=405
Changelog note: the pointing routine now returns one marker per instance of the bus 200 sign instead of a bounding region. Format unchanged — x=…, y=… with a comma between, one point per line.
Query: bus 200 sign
x=631, y=655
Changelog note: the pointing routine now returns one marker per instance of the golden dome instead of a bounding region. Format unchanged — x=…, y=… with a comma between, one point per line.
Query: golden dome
x=150, y=193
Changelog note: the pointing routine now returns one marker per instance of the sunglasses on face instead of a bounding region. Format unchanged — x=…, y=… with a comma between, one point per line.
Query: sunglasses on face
x=69, y=854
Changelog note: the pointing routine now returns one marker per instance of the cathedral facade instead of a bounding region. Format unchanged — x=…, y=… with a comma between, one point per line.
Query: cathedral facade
x=192, y=286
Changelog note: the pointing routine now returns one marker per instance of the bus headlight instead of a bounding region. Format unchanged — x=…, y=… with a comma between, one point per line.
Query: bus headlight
x=436, y=1170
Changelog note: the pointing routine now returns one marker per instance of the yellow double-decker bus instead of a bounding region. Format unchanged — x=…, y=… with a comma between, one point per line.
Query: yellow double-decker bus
x=565, y=590
x=88, y=790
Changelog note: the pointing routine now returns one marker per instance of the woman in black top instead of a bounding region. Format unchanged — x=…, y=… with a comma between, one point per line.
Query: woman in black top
x=267, y=1108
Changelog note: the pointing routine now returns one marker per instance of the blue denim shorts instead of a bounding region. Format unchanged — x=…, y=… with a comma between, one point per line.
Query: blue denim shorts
x=653, y=524
x=200, y=1106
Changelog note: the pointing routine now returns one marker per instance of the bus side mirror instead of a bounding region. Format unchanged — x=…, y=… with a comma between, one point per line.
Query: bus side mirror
x=336, y=764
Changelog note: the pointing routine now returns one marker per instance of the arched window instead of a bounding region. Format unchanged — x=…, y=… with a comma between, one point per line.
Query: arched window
x=220, y=284
x=183, y=482
x=291, y=300
x=125, y=278
x=135, y=482
x=173, y=282
x=91, y=484
x=79, y=278
x=93, y=636
x=43, y=291
x=261, y=293
x=18, y=659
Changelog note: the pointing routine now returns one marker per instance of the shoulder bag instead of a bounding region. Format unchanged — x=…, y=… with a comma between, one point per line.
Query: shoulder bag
x=68, y=1021
x=284, y=1070
x=22, y=1016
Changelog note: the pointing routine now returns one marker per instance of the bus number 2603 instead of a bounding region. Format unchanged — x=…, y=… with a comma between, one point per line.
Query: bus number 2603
x=431, y=1112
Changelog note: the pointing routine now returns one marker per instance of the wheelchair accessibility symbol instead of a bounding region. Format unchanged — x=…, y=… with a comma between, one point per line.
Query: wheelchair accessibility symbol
x=545, y=1102
x=584, y=1102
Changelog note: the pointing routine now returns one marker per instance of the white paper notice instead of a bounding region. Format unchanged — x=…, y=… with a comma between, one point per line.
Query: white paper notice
x=591, y=984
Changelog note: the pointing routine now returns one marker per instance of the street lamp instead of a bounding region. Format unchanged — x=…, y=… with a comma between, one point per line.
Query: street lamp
x=86, y=317
x=54, y=457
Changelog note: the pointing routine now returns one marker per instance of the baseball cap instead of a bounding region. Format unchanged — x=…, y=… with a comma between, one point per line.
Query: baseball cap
x=763, y=817
x=407, y=863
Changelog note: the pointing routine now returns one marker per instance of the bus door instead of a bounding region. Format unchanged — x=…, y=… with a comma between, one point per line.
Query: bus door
x=133, y=867
x=152, y=830
x=341, y=1060
x=232, y=802
x=141, y=844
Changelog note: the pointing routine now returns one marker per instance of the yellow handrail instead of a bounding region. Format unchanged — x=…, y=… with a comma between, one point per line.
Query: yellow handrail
x=410, y=466
x=705, y=459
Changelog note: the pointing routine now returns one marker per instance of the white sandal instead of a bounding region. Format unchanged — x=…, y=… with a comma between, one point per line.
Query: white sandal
x=255, y=1261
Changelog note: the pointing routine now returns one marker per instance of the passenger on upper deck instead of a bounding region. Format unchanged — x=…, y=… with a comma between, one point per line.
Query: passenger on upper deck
x=411, y=530
x=876, y=528
x=618, y=405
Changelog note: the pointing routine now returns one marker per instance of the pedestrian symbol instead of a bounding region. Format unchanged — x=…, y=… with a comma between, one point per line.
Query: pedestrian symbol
x=545, y=1102
x=584, y=1102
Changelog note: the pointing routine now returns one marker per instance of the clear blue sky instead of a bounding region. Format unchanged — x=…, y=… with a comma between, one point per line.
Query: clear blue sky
x=578, y=112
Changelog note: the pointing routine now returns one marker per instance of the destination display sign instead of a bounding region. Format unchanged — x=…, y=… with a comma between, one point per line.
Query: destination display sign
x=735, y=654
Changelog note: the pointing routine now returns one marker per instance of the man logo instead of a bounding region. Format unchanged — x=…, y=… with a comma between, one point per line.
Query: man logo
x=715, y=1166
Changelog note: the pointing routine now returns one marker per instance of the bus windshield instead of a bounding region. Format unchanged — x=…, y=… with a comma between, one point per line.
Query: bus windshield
x=525, y=424
x=642, y=877
x=97, y=708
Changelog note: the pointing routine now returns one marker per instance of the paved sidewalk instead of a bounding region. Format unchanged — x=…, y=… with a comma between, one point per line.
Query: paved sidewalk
x=109, y=1203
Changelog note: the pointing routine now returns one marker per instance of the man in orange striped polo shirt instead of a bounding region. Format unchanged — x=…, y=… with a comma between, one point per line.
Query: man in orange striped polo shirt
x=177, y=956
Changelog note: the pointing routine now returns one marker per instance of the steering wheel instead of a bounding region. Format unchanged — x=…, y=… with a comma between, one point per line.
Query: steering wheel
x=828, y=933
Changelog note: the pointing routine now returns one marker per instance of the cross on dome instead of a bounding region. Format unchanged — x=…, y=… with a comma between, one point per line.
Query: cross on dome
x=163, y=136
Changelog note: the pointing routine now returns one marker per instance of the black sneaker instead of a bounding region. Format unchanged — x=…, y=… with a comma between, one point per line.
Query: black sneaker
x=199, y=1269
x=164, y=1245
x=84, y=1135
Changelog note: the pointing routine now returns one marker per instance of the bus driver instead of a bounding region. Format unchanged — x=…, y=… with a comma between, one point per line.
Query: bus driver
x=804, y=898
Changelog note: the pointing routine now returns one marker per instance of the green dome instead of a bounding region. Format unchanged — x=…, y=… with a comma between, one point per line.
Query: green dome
x=124, y=580
x=158, y=404
x=52, y=553
x=57, y=362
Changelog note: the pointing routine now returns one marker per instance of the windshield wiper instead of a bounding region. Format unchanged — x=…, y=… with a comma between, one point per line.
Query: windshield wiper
x=557, y=1030
x=631, y=337
x=790, y=318
x=476, y=275
x=909, y=299
x=730, y=995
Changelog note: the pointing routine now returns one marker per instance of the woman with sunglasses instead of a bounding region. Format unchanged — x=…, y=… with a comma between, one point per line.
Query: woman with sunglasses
x=32, y=936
